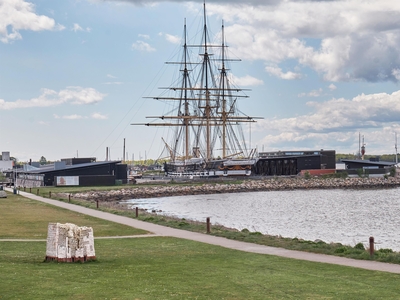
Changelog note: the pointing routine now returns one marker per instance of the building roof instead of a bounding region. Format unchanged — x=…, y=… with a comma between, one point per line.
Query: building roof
x=293, y=153
x=368, y=162
x=52, y=167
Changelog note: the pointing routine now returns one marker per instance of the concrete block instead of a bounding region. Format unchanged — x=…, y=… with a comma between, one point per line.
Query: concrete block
x=69, y=243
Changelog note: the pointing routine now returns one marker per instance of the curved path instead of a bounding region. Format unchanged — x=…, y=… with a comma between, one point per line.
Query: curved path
x=219, y=241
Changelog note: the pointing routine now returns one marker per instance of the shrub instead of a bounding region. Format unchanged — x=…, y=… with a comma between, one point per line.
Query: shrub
x=359, y=246
x=341, y=249
x=385, y=250
x=183, y=223
x=256, y=233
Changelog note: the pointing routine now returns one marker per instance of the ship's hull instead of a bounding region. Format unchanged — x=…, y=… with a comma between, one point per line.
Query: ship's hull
x=217, y=168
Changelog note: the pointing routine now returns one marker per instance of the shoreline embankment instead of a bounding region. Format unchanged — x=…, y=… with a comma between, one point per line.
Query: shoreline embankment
x=248, y=185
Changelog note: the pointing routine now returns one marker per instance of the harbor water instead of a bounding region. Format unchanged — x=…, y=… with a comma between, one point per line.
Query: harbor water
x=340, y=216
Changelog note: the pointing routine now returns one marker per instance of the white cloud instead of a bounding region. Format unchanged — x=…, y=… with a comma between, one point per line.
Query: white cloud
x=142, y=46
x=59, y=27
x=350, y=40
x=96, y=116
x=78, y=95
x=172, y=38
x=144, y=36
x=113, y=82
x=396, y=73
x=332, y=87
x=280, y=74
x=111, y=76
x=74, y=95
x=246, y=80
x=73, y=117
x=99, y=116
x=313, y=93
x=335, y=122
x=76, y=27
x=16, y=15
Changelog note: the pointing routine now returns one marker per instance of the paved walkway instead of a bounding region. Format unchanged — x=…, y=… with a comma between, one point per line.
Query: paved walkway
x=219, y=241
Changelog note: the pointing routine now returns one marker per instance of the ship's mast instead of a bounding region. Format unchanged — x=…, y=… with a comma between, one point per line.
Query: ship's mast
x=204, y=106
x=206, y=61
x=223, y=76
x=186, y=103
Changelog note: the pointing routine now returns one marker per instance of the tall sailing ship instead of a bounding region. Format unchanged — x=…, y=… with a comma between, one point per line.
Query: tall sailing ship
x=208, y=138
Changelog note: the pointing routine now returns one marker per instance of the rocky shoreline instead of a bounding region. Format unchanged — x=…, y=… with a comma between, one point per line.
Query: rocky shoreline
x=250, y=185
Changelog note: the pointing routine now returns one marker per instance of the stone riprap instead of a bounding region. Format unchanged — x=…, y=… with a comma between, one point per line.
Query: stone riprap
x=69, y=243
x=275, y=184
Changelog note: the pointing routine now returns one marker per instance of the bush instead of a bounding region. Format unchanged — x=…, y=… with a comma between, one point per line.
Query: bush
x=359, y=246
x=183, y=223
x=256, y=233
x=385, y=250
x=341, y=249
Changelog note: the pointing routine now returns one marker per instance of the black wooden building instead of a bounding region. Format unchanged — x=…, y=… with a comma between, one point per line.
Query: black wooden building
x=82, y=174
x=371, y=167
x=285, y=163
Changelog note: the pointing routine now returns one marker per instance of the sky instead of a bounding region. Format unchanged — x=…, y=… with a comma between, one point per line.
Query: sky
x=74, y=74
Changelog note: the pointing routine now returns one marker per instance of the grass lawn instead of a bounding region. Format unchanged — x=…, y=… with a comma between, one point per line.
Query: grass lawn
x=169, y=268
x=24, y=218
x=163, y=267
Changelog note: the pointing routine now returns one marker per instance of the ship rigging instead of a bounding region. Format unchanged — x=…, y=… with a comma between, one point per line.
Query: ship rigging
x=206, y=119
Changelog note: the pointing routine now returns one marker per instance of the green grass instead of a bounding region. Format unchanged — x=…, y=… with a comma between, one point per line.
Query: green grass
x=169, y=268
x=44, y=191
x=337, y=249
x=24, y=218
x=162, y=267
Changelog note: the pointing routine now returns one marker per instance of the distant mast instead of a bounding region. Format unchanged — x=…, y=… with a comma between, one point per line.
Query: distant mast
x=362, y=148
x=395, y=145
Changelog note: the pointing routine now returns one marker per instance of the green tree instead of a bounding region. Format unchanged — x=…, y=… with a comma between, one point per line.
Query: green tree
x=43, y=160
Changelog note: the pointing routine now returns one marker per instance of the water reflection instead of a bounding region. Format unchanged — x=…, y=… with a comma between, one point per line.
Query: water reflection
x=345, y=216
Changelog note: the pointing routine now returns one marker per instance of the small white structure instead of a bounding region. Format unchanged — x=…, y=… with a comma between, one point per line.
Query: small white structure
x=5, y=162
x=69, y=243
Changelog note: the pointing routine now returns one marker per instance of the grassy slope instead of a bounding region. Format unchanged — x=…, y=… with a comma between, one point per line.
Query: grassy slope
x=165, y=268
x=169, y=268
x=24, y=218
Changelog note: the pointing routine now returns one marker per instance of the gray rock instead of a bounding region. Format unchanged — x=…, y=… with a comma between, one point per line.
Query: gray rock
x=3, y=194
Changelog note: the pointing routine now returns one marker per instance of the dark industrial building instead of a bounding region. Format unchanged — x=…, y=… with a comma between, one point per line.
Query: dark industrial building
x=287, y=163
x=372, y=166
x=74, y=172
